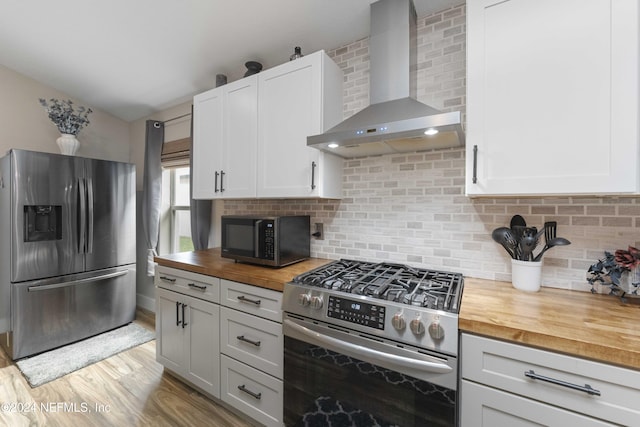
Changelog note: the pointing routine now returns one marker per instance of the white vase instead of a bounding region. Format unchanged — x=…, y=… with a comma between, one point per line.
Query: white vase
x=68, y=144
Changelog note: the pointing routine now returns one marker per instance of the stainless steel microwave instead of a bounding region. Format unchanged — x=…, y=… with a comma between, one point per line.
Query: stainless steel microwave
x=267, y=240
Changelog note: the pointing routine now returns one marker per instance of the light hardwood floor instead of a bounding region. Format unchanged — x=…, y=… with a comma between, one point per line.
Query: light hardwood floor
x=128, y=389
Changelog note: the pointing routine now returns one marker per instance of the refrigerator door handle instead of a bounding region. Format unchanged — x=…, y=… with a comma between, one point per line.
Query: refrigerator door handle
x=82, y=215
x=89, y=186
x=77, y=282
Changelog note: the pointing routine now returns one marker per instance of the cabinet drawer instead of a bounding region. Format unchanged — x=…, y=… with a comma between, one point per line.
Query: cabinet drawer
x=255, y=393
x=252, y=340
x=252, y=299
x=503, y=365
x=188, y=283
x=487, y=407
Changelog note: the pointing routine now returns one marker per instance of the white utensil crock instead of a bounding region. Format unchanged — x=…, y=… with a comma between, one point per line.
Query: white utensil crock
x=526, y=275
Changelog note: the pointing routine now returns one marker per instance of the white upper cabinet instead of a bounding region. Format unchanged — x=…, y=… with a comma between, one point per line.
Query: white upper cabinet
x=207, y=146
x=257, y=129
x=224, y=141
x=552, y=97
x=295, y=100
x=240, y=137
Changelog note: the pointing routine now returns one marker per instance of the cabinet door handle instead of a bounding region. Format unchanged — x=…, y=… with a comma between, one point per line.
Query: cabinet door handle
x=198, y=287
x=242, y=298
x=249, y=392
x=177, y=313
x=216, y=182
x=247, y=340
x=183, y=322
x=221, y=181
x=584, y=388
x=475, y=164
x=167, y=279
x=313, y=175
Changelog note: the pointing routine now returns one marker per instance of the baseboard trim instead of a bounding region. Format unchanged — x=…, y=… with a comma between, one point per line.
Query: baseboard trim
x=146, y=302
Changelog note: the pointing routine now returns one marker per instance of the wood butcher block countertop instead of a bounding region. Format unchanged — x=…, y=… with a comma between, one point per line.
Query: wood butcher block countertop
x=210, y=263
x=598, y=327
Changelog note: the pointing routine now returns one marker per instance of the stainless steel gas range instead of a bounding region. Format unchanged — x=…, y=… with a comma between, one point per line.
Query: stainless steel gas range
x=371, y=344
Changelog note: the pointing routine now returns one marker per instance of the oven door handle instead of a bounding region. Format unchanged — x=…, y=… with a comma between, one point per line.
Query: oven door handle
x=368, y=354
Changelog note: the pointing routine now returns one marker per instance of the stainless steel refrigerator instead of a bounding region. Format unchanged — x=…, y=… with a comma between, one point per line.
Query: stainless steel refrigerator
x=67, y=249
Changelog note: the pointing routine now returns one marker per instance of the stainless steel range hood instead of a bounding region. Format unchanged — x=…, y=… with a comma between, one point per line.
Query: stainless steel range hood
x=394, y=122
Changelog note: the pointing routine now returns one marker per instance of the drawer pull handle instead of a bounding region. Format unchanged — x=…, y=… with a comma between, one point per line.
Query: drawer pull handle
x=247, y=340
x=167, y=279
x=242, y=298
x=584, y=388
x=249, y=392
x=199, y=287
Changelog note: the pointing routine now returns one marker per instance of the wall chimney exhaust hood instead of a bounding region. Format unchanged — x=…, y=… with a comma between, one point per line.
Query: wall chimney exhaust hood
x=394, y=122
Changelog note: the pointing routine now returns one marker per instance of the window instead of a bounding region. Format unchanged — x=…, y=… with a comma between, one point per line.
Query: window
x=179, y=211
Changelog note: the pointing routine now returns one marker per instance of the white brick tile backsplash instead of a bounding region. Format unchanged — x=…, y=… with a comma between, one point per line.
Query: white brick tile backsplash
x=411, y=208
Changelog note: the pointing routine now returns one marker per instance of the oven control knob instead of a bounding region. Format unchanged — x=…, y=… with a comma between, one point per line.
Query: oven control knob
x=436, y=330
x=416, y=326
x=304, y=299
x=398, y=321
x=316, y=302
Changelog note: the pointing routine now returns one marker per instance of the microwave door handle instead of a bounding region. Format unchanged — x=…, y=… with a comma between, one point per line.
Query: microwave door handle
x=256, y=238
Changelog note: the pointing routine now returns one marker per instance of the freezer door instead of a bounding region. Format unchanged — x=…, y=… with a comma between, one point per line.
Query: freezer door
x=49, y=313
x=45, y=195
x=111, y=214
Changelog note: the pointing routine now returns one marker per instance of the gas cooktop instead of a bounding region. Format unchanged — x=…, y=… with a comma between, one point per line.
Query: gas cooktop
x=399, y=283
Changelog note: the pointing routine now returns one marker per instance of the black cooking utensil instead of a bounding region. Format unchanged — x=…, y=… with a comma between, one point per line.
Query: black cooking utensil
x=527, y=245
x=558, y=241
x=517, y=220
x=504, y=236
x=550, y=228
x=518, y=232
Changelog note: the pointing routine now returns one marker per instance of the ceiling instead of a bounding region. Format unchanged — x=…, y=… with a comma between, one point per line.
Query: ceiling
x=134, y=58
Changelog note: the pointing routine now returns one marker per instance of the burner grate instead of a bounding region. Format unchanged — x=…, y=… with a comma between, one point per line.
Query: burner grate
x=393, y=282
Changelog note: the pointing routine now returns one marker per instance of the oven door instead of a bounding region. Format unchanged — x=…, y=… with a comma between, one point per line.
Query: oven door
x=336, y=377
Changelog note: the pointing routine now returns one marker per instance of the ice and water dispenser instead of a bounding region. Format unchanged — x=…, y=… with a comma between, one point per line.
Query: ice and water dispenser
x=42, y=222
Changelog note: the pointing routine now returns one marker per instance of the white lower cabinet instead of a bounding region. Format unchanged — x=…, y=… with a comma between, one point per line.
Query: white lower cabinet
x=223, y=337
x=506, y=384
x=187, y=338
x=253, y=392
x=252, y=344
x=487, y=407
x=252, y=340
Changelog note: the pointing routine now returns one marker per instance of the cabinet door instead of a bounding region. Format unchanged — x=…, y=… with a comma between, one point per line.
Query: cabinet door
x=170, y=349
x=240, y=139
x=483, y=406
x=202, y=340
x=290, y=105
x=207, y=143
x=552, y=97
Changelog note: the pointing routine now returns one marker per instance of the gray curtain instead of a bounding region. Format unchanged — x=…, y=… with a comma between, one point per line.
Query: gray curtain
x=200, y=209
x=152, y=189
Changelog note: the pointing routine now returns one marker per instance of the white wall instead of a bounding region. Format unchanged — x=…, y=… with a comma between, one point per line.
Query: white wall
x=25, y=123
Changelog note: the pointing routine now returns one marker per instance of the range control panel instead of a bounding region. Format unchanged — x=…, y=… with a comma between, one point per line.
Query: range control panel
x=358, y=312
